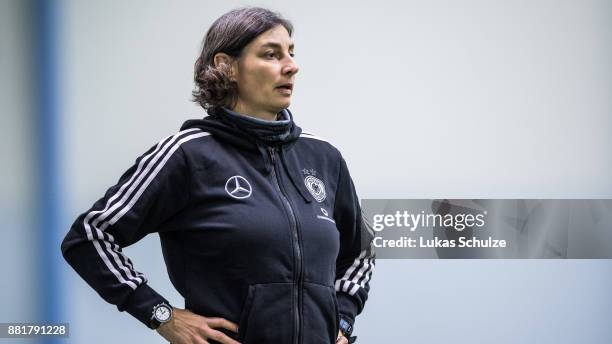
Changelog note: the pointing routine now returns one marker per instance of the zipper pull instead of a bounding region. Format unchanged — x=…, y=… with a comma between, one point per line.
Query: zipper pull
x=272, y=156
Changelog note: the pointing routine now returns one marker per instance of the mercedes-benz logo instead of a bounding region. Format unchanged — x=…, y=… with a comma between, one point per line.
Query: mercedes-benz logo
x=238, y=187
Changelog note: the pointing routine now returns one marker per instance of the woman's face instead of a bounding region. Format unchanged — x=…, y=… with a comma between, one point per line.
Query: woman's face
x=265, y=73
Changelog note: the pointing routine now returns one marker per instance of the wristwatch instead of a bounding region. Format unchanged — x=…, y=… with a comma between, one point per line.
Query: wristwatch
x=347, y=329
x=162, y=313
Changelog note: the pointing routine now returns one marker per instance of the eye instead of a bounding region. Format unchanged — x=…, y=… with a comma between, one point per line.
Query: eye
x=270, y=54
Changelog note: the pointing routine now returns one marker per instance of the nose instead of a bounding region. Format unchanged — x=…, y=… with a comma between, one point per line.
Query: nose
x=290, y=67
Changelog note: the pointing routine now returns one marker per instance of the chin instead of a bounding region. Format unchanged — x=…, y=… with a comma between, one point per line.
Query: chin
x=286, y=103
x=281, y=105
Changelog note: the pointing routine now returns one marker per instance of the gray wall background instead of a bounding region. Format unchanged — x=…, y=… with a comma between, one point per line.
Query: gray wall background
x=426, y=99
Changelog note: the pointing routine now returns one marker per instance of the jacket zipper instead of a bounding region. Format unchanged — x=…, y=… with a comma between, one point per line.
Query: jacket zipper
x=296, y=245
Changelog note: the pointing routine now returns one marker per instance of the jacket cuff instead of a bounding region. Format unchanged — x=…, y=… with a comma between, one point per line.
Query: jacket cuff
x=141, y=302
x=347, y=307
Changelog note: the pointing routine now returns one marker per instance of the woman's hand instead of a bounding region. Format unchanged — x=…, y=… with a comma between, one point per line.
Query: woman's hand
x=186, y=327
x=341, y=339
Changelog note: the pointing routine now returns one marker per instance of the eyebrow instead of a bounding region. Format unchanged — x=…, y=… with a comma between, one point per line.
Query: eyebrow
x=275, y=45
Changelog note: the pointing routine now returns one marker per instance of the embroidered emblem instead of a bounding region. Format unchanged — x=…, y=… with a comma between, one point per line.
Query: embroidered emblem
x=238, y=187
x=316, y=188
x=325, y=216
x=307, y=171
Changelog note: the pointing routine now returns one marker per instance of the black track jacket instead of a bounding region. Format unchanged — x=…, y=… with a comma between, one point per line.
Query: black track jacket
x=267, y=235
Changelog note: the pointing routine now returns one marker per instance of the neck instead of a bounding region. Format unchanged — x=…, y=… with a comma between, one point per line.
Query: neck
x=257, y=113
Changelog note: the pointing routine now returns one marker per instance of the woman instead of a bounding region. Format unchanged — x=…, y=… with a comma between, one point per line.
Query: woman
x=259, y=222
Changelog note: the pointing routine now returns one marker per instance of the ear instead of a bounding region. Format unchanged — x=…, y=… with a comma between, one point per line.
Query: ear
x=223, y=58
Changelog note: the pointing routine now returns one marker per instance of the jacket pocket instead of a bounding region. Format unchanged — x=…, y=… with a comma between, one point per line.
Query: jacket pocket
x=267, y=314
x=246, y=311
x=320, y=314
x=337, y=322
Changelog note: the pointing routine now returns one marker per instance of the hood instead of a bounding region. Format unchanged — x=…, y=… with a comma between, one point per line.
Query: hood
x=256, y=136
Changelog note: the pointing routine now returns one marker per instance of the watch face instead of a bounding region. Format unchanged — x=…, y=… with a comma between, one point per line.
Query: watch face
x=162, y=313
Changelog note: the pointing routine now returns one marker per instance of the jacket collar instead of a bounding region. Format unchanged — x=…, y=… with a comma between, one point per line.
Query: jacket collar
x=256, y=135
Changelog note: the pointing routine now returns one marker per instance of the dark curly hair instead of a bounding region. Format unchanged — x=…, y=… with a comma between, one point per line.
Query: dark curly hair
x=229, y=34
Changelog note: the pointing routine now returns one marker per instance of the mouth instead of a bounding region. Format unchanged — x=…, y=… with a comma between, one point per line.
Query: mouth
x=286, y=86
